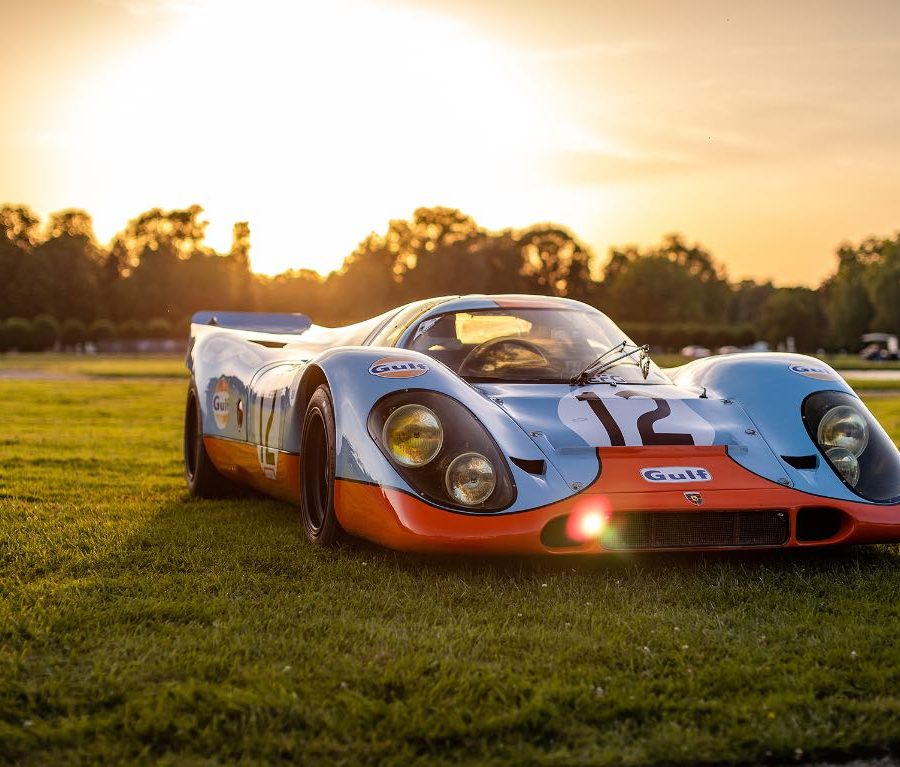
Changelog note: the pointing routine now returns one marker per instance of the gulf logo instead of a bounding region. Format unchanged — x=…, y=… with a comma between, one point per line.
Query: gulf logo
x=221, y=403
x=398, y=367
x=820, y=374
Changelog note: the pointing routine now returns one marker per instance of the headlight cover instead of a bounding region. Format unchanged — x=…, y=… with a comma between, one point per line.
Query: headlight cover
x=843, y=427
x=467, y=472
x=853, y=443
x=470, y=479
x=413, y=435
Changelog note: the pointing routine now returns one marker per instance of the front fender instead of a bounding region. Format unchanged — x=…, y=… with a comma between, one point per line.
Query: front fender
x=360, y=376
x=771, y=388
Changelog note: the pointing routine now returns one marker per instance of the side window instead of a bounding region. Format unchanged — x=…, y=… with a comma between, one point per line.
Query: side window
x=390, y=333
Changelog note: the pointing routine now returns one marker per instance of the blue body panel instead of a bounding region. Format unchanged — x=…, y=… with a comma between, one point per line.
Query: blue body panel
x=772, y=388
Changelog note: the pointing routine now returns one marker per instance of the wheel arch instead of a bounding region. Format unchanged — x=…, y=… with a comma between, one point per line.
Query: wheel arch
x=313, y=377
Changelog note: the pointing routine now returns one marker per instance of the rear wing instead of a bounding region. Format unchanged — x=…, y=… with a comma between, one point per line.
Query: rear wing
x=260, y=322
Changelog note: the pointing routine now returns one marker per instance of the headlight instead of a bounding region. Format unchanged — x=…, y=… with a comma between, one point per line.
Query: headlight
x=845, y=462
x=413, y=434
x=470, y=479
x=460, y=467
x=843, y=427
x=853, y=443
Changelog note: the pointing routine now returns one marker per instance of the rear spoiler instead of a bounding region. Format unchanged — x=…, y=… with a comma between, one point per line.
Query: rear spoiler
x=261, y=322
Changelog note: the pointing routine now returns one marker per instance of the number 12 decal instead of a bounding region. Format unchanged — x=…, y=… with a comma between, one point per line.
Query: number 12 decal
x=625, y=420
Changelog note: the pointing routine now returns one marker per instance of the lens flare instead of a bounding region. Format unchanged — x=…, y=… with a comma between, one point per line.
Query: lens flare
x=588, y=521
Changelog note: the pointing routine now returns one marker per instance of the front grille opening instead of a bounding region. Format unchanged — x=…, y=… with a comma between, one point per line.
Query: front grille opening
x=673, y=530
x=818, y=523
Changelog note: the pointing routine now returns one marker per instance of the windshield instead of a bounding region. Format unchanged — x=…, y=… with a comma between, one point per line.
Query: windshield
x=526, y=345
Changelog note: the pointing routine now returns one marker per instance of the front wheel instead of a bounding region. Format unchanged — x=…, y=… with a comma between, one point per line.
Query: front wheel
x=317, y=468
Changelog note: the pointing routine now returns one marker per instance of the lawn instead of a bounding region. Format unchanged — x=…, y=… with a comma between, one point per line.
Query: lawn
x=96, y=365
x=138, y=625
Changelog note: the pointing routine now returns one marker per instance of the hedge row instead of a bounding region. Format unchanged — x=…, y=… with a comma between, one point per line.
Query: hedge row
x=45, y=332
x=676, y=336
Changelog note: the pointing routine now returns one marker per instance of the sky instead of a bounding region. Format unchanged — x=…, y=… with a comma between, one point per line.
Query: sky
x=769, y=132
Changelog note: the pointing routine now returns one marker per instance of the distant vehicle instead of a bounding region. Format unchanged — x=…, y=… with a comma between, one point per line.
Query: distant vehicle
x=880, y=346
x=728, y=350
x=695, y=352
x=528, y=424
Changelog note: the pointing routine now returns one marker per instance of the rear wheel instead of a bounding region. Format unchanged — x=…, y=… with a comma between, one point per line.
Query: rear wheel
x=203, y=479
x=317, y=468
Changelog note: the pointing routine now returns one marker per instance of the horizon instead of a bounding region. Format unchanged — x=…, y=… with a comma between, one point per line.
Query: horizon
x=750, y=130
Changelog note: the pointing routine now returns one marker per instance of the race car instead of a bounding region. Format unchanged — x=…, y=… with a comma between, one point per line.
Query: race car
x=522, y=424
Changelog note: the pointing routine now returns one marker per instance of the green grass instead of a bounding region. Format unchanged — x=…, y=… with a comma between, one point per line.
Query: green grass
x=854, y=362
x=867, y=385
x=887, y=411
x=97, y=365
x=137, y=625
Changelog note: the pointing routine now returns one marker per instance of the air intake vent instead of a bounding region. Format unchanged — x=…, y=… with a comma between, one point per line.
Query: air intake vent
x=801, y=461
x=818, y=523
x=673, y=530
x=531, y=466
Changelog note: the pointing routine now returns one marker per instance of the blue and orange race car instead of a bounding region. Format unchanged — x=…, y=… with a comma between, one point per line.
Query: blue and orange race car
x=525, y=424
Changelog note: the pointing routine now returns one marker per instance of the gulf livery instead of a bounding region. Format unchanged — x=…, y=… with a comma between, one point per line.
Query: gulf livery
x=526, y=425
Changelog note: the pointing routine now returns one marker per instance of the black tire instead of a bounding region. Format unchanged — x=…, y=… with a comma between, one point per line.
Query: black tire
x=203, y=479
x=317, y=466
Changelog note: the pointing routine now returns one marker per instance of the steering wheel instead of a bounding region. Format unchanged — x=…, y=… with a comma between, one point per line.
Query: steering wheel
x=473, y=364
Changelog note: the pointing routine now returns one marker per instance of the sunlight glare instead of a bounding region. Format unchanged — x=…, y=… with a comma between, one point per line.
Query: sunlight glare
x=320, y=119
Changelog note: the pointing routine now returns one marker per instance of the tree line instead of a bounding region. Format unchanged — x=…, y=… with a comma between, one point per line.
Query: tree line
x=59, y=285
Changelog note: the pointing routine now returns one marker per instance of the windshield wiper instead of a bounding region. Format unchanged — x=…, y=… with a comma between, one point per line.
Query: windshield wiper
x=598, y=366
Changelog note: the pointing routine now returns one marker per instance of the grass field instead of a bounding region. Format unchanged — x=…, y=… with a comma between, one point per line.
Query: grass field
x=97, y=365
x=138, y=625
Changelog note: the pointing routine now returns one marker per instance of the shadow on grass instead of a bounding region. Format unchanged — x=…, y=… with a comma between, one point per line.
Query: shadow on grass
x=257, y=522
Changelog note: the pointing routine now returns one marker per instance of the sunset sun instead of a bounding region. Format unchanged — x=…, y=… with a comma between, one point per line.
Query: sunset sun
x=297, y=120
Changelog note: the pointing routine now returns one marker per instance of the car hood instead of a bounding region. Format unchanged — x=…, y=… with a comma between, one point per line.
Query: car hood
x=569, y=423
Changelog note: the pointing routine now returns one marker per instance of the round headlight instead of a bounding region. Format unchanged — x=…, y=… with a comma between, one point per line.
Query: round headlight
x=470, y=479
x=845, y=463
x=413, y=435
x=843, y=427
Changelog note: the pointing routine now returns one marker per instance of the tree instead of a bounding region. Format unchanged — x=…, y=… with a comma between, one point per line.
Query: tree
x=673, y=282
x=44, y=332
x=555, y=262
x=747, y=300
x=167, y=270
x=882, y=282
x=101, y=330
x=16, y=333
x=159, y=327
x=72, y=332
x=797, y=313
x=240, y=243
x=846, y=296
x=18, y=235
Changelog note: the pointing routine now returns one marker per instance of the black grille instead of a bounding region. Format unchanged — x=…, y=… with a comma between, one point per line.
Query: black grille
x=673, y=530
